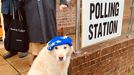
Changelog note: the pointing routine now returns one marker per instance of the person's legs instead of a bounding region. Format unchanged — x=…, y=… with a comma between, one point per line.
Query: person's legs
x=7, y=19
x=22, y=54
x=9, y=54
x=35, y=49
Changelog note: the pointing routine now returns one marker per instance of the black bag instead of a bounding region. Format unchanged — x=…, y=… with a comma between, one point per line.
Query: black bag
x=16, y=38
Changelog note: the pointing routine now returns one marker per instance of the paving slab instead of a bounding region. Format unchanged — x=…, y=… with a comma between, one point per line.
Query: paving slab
x=16, y=58
x=21, y=64
x=2, y=51
x=2, y=61
x=6, y=69
x=25, y=73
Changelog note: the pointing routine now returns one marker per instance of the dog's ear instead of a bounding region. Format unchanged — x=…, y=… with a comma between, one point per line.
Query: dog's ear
x=71, y=51
x=49, y=52
x=72, y=48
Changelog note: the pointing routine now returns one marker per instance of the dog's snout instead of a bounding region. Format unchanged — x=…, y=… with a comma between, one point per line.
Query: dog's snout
x=61, y=58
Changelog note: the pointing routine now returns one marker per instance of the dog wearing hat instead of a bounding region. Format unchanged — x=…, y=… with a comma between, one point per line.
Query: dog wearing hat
x=54, y=58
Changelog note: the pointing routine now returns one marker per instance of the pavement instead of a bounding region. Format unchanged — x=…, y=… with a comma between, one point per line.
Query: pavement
x=13, y=65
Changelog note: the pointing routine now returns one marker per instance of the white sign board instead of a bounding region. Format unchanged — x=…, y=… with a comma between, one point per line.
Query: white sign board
x=101, y=20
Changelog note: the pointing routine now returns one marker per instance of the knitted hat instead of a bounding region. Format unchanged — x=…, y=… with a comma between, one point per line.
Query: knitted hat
x=59, y=40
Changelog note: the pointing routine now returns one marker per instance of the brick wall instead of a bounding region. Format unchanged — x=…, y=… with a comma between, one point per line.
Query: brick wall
x=113, y=57
x=126, y=16
x=66, y=20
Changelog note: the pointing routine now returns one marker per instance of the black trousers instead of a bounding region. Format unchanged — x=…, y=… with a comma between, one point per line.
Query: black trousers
x=6, y=19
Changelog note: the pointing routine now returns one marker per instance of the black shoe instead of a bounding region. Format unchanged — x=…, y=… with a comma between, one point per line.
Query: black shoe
x=22, y=54
x=9, y=54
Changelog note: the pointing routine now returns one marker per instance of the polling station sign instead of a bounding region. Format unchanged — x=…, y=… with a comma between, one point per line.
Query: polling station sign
x=101, y=20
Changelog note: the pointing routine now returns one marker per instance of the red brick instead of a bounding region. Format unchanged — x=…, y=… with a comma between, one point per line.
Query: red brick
x=115, y=59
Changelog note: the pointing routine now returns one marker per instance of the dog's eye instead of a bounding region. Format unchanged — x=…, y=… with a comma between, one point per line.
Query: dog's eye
x=65, y=47
x=56, y=47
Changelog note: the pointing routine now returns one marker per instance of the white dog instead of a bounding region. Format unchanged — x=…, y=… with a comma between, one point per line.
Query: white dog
x=52, y=62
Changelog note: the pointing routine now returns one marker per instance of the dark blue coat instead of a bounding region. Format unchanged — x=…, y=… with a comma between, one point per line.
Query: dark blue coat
x=41, y=19
x=7, y=6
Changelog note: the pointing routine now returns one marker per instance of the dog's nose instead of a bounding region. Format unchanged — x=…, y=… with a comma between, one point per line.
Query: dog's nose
x=61, y=58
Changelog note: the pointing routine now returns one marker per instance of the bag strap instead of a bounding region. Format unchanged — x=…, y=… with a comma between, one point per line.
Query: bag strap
x=19, y=14
x=13, y=8
x=16, y=12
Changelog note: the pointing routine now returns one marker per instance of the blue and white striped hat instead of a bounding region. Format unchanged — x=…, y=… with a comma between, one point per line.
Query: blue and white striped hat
x=59, y=40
